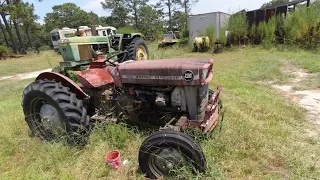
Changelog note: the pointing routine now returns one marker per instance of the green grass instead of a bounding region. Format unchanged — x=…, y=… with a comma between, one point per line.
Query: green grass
x=29, y=63
x=264, y=136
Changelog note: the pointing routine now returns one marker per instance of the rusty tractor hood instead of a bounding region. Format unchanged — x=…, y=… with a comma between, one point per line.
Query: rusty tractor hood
x=190, y=72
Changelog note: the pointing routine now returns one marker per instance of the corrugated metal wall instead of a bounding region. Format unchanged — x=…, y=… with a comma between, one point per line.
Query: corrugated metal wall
x=198, y=23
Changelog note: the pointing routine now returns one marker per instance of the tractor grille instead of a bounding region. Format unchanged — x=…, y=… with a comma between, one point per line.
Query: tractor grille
x=202, y=101
x=116, y=42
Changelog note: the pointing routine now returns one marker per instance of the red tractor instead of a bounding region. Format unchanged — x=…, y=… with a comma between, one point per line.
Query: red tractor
x=174, y=93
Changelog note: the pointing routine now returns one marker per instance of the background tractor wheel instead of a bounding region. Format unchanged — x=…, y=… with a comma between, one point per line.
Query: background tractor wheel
x=166, y=151
x=138, y=50
x=54, y=113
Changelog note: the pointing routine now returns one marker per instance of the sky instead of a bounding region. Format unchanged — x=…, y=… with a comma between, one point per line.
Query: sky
x=203, y=6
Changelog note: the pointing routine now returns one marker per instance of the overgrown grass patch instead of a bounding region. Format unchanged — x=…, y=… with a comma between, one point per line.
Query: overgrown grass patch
x=264, y=136
x=29, y=63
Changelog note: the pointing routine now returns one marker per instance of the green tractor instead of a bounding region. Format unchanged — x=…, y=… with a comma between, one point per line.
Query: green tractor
x=78, y=52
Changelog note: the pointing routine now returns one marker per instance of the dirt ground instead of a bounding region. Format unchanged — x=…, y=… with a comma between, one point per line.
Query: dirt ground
x=308, y=99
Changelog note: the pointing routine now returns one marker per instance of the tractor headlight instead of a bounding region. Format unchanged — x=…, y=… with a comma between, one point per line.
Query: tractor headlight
x=64, y=41
x=205, y=73
x=164, y=41
x=127, y=36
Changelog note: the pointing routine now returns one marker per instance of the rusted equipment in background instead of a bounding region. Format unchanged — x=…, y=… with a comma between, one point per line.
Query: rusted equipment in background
x=201, y=44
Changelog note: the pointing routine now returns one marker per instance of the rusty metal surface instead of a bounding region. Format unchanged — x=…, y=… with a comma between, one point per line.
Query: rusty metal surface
x=212, y=112
x=166, y=72
x=95, y=78
x=211, y=118
x=97, y=64
x=182, y=121
x=75, y=88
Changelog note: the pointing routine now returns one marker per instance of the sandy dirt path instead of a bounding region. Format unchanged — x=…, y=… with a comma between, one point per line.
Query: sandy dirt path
x=24, y=75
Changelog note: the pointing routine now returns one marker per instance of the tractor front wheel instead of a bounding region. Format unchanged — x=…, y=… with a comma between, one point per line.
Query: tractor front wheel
x=138, y=50
x=54, y=113
x=165, y=152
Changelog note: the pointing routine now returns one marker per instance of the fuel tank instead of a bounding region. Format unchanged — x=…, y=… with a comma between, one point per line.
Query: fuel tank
x=179, y=72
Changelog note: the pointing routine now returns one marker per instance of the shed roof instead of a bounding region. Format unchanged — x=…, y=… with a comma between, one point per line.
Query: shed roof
x=209, y=13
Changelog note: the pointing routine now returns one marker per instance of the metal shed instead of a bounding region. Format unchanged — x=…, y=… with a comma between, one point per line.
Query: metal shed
x=198, y=23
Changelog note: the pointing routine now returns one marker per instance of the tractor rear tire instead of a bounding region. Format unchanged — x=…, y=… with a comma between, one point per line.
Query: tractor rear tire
x=166, y=150
x=137, y=50
x=49, y=106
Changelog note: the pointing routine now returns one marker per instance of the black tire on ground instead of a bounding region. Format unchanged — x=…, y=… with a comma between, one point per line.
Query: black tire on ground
x=133, y=46
x=176, y=141
x=195, y=48
x=73, y=115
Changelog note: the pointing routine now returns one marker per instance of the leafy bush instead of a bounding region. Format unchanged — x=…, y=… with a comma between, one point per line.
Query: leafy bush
x=303, y=26
x=280, y=29
x=185, y=32
x=210, y=32
x=3, y=51
x=127, y=30
x=184, y=35
x=222, y=36
x=238, y=27
x=253, y=35
x=266, y=30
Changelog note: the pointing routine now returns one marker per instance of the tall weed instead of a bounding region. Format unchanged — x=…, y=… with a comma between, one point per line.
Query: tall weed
x=238, y=26
x=266, y=31
x=303, y=27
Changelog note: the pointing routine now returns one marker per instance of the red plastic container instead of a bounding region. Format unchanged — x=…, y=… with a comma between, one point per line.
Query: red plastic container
x=113, y=159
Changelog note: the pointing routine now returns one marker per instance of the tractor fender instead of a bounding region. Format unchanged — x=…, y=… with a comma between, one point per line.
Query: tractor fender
x=136, y=36
x=64, y=80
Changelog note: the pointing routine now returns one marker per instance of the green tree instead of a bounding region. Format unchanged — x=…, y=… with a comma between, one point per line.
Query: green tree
x=273, y=3
x=107, y=20
x=135, y=5
x=13, y=11
x=179, y=20
x=25, y=15
x=4, y=34
x=119, y=11
x=186, y=5
x=4, y=12
x=171, y=5
x=67, y=15
x=150, y=20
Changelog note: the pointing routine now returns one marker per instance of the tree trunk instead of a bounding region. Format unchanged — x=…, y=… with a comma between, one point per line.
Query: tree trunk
x=170, y=15
x=136, y=18
x=16, y=27
x=28, y=36
x=135, y=13
x=13, y=42
x=4, y=34
x=186, y=7
x=186, y=10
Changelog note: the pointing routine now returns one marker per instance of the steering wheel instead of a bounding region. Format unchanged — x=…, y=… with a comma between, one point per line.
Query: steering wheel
x=125, y=53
